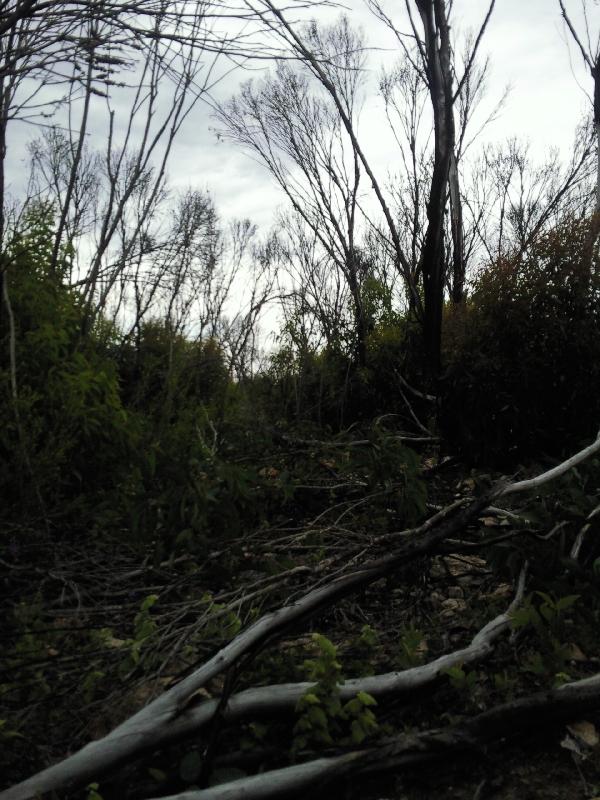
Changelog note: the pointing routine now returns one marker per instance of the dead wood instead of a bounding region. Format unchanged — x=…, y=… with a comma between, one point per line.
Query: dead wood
x=509, y=720
x=154, y=724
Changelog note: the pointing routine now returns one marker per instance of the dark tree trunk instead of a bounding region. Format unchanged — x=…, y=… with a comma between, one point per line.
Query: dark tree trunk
x=439, y=75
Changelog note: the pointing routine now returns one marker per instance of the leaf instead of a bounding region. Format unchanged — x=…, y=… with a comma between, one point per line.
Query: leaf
x=317, y=716
x=584, y=732
x=566, y=602
x=366, y=699
x=310, y=699
x=190, y=767
x=574, y=653
x=489, y=522
x=148, y=602
x=225, y=775
x=157, y=774
x=6, y=733
x=93, y=793
x=357, y=733
x=326, y=647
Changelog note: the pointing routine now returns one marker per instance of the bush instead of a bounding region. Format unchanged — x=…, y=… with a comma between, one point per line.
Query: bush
x=73, y=430
x=523, y=354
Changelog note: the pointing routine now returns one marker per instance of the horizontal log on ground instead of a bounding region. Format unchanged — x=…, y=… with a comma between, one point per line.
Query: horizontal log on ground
x=144, y=731
x=269, y=701
x=148, y=728
x=509, y=720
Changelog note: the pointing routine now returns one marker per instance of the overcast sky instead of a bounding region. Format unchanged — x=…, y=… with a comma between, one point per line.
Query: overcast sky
x=529, y=51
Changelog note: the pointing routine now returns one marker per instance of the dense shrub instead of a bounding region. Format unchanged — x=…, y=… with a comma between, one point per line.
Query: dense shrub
x=69, y=433
x=161, y=371
x=148, y=437
x=523, y=354
x=327, y=386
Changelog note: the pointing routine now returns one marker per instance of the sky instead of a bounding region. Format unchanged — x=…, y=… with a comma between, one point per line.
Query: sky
x=529, y=51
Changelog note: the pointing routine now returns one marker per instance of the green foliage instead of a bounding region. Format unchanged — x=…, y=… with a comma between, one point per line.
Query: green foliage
x=515, y=352
x=144, y=628
x=411, y=648
x=92, y=792
x=461, y=680
x=74, y=429
x=544, y=615
x=323, y=720
x=363, y=649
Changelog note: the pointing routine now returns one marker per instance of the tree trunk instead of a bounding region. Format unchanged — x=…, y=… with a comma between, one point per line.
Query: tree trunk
x=458, y=253
x=439, y=75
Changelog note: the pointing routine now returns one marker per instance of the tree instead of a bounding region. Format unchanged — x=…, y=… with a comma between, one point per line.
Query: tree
x=511, y=199
x=298, y=135
x=591, y=56
x=431, y=56
x=433, y=61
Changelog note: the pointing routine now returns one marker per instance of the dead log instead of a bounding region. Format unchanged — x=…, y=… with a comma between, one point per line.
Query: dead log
x=150, y=727
x=269, y=701
x=509, y=720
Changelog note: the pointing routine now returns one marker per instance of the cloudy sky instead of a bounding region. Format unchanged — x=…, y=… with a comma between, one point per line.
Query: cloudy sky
x=529, y=50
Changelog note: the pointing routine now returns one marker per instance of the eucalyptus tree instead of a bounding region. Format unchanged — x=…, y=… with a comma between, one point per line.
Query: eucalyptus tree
x=588, y=44
x=298, y=135
x=512, y=197
x=429, y=51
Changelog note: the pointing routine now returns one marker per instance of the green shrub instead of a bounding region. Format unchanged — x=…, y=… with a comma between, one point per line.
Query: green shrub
x=523, y=354
x=73, y=429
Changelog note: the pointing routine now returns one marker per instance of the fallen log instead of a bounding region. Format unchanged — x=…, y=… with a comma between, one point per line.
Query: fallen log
x=152, y=725
x=509, y=720
x=269, y=701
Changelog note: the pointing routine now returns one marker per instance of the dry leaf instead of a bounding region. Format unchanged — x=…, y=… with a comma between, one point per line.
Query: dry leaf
x=327, y=464
x=585, y=732
x=452, y=606
x=570, y=743
x=503, y=590
x=489, y=522
x=464, y=565
x=574, y=653
x=422, y=648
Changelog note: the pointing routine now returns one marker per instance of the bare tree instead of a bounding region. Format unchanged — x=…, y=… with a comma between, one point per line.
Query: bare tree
x=590, y=52
x=298, y=135
x=430, y=53
x=437, y=66
x=510, y=199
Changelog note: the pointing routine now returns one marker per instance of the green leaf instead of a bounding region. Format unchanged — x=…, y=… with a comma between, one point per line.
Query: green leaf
x=148, y=602
x=93, y=793
x=563, y=603
x=225, y=775
x=7, y=733
x=357, y=732
x=190, y=767
x=310, y=699
x=366, y=699
x=317, y=717
x=157, y=774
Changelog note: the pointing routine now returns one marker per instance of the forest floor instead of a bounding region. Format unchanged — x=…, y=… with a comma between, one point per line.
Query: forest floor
x=94, y=627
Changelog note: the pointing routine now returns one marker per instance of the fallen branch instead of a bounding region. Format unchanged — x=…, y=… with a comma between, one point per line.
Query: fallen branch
x=508, y=720
x=146, y=729
x=556, y=472
x=269, y=701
